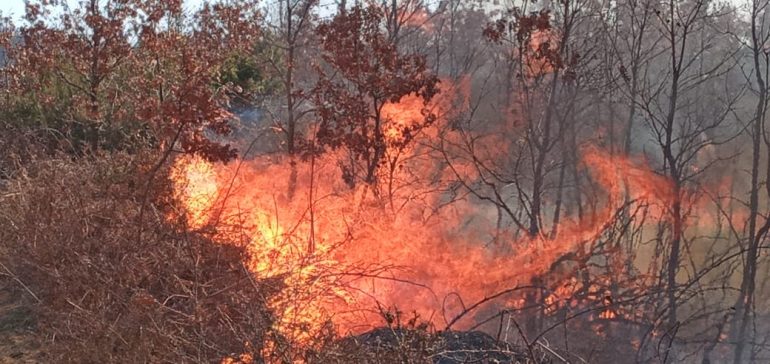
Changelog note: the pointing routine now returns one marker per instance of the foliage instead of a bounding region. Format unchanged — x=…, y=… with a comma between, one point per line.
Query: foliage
x=126, y=73
x=246, y=78
x=371, y=73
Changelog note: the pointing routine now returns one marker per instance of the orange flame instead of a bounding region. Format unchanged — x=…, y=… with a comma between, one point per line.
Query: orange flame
x=418, y=18
x=338, y=259
x=436, y=254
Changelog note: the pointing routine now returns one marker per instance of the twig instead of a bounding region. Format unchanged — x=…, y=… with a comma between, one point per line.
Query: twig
x=151, y=178
x=16, y=278
x=548, y=349
x=485, y=300
x=524, y=338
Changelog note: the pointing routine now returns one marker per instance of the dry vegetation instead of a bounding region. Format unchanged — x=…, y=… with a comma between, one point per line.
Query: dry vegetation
x=98, y=294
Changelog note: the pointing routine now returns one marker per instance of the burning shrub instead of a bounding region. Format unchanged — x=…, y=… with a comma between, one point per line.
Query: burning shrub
x=102, y=295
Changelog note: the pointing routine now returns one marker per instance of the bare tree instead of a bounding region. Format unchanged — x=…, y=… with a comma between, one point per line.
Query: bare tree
x=744, y=306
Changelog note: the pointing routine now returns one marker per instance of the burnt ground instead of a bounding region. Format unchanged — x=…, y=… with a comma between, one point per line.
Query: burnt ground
x=17, y=341
x=450, y=347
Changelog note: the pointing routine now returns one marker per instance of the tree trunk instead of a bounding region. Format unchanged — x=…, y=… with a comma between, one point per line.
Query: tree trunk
x=744, y=305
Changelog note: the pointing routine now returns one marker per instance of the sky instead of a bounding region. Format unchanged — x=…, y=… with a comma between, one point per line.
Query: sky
x=12, y=7
x=15, y=8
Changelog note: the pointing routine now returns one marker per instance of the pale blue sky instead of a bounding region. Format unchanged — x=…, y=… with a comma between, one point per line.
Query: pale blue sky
x=12, y=7
x=16, y=7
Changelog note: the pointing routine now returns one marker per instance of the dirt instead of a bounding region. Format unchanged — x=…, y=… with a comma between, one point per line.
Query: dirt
x=17, y=340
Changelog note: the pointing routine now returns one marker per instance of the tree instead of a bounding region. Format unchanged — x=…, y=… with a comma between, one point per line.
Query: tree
x=296, y=19
x=364, y=73
x=290, y=36
x=117, y=70
x=79, y=54
x=744, y=305
x=185, y=96
x=681, y=132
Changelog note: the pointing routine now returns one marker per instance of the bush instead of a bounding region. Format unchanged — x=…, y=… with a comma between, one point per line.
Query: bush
x=70, y=234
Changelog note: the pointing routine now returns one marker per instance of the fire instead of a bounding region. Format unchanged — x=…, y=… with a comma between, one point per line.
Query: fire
x=541, y=43
x=622, y=176
x=410, y=111
x=403, y=115
x=418, y=18
x=277, y=236
x=250, y=219
x=200, y=185
x=342, y=262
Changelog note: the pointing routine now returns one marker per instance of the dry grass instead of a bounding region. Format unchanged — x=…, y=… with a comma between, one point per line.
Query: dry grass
x=99, y=294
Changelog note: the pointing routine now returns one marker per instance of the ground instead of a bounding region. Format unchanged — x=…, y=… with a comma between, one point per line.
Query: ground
x=17, y=340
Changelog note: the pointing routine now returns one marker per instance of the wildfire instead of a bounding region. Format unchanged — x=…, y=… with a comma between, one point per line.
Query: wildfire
x=542, y=42
x=622, y=176
x=404, y=115
x=199, y=187
x=277, y=240
x=338, y=258
x=418, y=18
